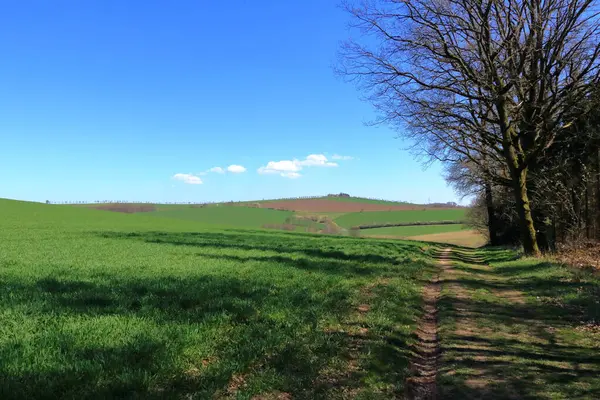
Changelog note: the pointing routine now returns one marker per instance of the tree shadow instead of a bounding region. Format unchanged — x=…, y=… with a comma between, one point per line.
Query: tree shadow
x=478, y=257
x=498, y=348
x=258, y=338
x=365, y=251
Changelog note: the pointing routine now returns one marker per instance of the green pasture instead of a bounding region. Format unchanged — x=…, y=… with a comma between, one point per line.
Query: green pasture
x=227, y=215
x=382, y=217
x=97, y=304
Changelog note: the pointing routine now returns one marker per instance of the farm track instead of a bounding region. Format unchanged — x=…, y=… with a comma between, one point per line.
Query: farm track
x=422, y=383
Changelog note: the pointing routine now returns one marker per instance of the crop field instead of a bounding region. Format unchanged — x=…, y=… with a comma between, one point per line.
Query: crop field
x=416, y=230
x=465, y=238
x=293, y=215
x=227, y=215
x=330, y=205
x=407, y=216
x=363, y=200
x=96, y=304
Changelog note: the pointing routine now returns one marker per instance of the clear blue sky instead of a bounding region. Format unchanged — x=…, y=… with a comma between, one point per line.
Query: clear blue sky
x=138, y=100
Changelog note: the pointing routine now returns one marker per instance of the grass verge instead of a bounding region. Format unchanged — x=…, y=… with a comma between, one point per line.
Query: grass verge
x=518, y=329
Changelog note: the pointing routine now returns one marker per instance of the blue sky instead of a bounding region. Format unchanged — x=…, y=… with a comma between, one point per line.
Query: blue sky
x=140, y=100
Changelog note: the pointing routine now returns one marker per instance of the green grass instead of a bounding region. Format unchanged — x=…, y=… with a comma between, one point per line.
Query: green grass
x=520, y=329
x=380, y=217
x=227, y=216
x=407, y=231
x=96, y=304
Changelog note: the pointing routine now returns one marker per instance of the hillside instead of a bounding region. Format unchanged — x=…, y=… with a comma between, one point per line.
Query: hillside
x=227, y=216
x=332, y=215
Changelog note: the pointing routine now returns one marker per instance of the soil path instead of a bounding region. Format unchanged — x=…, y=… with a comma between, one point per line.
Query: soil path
x=422, y=384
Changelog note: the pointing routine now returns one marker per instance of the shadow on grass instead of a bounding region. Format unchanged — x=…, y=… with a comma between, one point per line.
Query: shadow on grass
x=145, y=367
x=478, y=257
x=265, y=242
x=527, y=347
x=253, y=324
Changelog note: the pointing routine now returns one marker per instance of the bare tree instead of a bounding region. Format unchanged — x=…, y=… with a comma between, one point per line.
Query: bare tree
x=479, y=79
x=469, y=179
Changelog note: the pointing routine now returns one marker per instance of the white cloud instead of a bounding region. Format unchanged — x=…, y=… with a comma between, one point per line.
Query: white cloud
x=291, y=168
x=188, y=178
x=236, y=169
x=218, y=170
x=343, y=158
x=316, y=160
x=277, y=167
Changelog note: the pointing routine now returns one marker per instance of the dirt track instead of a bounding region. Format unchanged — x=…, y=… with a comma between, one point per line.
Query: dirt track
x=422, y=384
x=324, y=205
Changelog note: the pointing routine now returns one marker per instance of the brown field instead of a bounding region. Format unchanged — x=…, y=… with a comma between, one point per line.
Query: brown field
x=463, y=238
x=472, y=239
x=324, y=205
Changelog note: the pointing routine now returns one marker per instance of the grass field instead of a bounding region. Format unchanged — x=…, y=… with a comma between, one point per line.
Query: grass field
x=407, y=231
x=95, y=304
x=380, y=217
x=246, y=217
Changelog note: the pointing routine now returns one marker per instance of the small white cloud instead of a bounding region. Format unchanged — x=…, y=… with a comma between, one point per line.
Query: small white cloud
x=341, y=158
x=188, y=178
x=277, y=167
x=291, y=168
x=316, y=160
x=217, y=170
x=236, y=169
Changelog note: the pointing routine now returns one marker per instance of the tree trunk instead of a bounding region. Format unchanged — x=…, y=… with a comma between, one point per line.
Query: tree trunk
x=492, y=225
x=588, y=234
x=528, y=234
x=598, y=198
x=576, y=223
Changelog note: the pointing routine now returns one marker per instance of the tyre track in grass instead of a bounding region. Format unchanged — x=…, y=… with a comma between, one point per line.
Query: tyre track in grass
x=422, y=382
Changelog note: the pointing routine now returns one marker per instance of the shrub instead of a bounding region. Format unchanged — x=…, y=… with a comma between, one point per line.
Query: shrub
x=354, y=232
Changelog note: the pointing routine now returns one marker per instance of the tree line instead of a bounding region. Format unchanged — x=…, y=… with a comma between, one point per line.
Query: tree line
x=504, y=93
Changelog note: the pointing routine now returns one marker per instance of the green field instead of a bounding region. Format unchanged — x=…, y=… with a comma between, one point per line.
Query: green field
x=407, y=231
x=97, y=304
x=381, y=217
x=246, y=217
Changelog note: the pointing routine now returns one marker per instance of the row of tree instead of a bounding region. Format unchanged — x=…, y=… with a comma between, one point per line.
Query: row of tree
x=504, y=92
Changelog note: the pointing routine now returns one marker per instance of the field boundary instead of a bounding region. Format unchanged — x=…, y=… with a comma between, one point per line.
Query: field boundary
x=400, y=224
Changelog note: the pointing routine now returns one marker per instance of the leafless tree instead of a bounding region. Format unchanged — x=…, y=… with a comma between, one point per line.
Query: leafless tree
x=479, y=79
